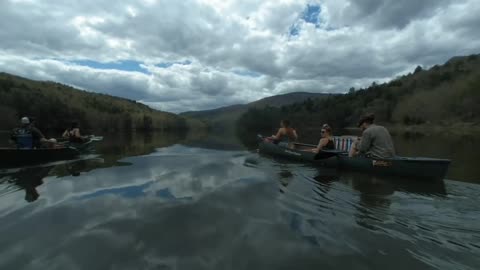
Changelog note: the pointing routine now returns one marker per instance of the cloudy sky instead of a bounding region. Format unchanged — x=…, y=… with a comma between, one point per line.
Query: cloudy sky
x=200, y=54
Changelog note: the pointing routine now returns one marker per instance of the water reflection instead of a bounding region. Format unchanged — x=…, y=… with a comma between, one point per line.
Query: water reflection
x=110, y=152
x=324, y=212
x=30, y=178
x=173, y=206
x=26, y=179
x=214, y=140
x=118, y=146
x=166, y=210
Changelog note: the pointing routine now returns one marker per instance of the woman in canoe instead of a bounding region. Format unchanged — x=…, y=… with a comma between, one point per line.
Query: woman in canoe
x=285, y=135
x=326, y=141
x=73, y=134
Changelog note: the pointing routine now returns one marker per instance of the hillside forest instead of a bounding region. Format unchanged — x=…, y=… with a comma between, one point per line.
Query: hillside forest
x=55, y=106
x=446, y=96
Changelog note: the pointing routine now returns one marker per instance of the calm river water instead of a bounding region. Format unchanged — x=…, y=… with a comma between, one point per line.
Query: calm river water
x=163, y=201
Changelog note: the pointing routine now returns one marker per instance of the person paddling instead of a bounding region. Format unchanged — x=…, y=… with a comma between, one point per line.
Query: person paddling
x=375, y=142
x=27, y=136
x=285, y=135
x=73, y=134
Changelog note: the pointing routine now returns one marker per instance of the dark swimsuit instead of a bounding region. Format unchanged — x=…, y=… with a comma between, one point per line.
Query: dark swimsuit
x=330, y=145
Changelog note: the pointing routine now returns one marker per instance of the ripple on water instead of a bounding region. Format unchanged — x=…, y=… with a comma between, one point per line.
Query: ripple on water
x=429, y=220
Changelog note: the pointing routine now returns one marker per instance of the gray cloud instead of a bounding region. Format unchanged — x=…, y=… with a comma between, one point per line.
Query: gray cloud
x=391, y=13
x=356, y=42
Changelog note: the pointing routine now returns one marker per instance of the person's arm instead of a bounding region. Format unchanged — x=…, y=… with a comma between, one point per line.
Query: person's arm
x=38, y=133
x=295, y=135
x=279, y=134
x=354, y=148
x=321, y=144
x=65, y=134
x=365, y=142
x=76, y=133
x=13, y=137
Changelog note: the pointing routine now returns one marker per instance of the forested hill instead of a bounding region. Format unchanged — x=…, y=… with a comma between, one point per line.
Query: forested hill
x=444, y=95
x=55, y=106
x=225, y=117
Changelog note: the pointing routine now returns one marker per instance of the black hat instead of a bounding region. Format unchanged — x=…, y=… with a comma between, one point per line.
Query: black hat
x=369, y=118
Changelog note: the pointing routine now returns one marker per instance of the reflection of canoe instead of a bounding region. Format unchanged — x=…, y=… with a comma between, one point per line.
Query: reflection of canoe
x=11, y=157
x=399, y=166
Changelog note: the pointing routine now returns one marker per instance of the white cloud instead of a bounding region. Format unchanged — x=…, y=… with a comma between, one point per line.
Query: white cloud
x=354, y=43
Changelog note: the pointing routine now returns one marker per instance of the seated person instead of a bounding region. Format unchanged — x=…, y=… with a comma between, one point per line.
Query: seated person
x=326, y=141
x=73, y=134
x=285, y=135
x=375, y=141
x=27, y=136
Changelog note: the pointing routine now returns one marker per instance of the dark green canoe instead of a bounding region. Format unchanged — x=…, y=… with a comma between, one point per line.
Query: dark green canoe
x=13, y=157
x=86, y=146
x=415, y=167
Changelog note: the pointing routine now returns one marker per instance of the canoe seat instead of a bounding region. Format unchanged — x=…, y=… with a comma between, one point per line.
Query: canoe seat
x=344, y=143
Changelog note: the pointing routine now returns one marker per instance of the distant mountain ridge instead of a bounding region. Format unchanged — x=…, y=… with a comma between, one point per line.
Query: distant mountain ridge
x=225, y=117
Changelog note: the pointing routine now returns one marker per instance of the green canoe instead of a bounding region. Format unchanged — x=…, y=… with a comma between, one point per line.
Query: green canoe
x=65, y=150
x=415, y=167
x=85, y=146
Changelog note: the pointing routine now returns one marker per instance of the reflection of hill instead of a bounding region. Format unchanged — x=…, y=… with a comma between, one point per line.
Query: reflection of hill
x=117, y=146
x=213, y=140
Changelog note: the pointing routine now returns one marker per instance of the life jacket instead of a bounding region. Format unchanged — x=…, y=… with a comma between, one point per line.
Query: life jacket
x=24, y=138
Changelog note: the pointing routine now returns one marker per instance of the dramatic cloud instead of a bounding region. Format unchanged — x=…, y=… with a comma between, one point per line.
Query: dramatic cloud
x=200, y=54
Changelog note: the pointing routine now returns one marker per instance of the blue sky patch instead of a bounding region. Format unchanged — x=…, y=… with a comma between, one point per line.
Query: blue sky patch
x=165, y=193
x=128, y=192
x=169, y=64
x=311, y=14
x=295, y=30
x=125, y=65
x=247, y=73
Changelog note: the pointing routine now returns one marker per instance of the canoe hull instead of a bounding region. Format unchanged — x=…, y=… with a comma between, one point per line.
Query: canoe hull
x=82, y=147
x=11, y=157
x=427, y=168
